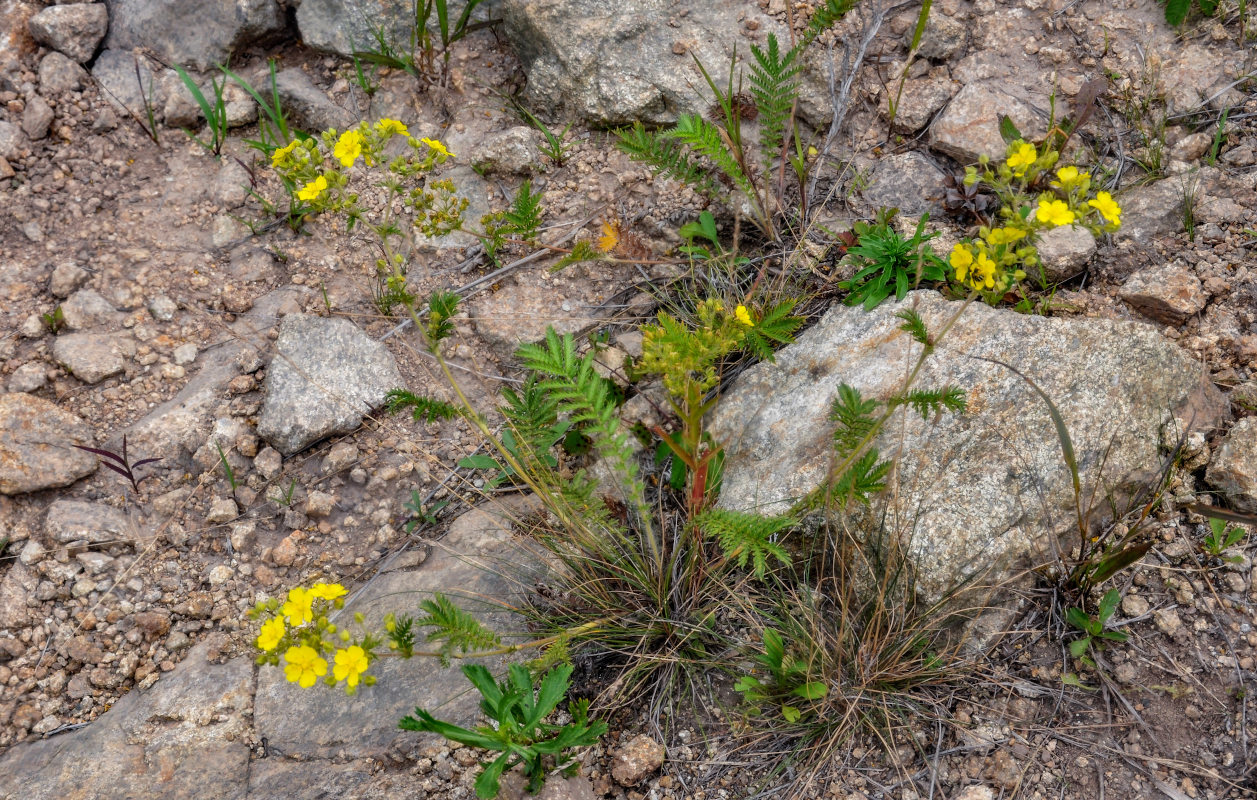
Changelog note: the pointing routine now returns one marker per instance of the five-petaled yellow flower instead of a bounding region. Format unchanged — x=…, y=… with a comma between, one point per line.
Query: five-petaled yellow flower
x=280, y=157
x=304, y=666
x=348, y=148
x=1108, y=208
x=350, y=663
x=437, y=147
x=960, y=259
x=313, y=190
x=1069, y=177
x=744, y=316
x=272, y=634
x=999, y=236
x=327, y=591
x=391, y=127
x=298, y=608
x=1022, y=157
x=984, y=272
x=1053, y=212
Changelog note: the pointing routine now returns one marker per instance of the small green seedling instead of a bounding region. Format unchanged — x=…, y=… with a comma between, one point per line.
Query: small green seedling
x=420, y=515
x=788, y=678
x=231, y=474
x=517, y=712
x=215, y=112
x=53, y=320
x=123, y=465
x=284, y=498
x=887, y=263
x=1092, y=628
x=1222, y=538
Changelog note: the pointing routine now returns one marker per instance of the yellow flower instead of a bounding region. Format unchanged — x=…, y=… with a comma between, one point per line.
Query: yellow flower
x=304, y=666
x=1022, y=156
x=744, y=316
x=350, y=663
x=999, y=236
x=984, y=271
x=312, y=190
x=327, y=591
x=298, y=608
x=1053, y=212
x=960, y=259
x=348, y=148
x=272, y=633
x=610, y=237
x=391, y=127
x=437, y=147
x=1069, y=177
x=1107, y=207
x=281, y=155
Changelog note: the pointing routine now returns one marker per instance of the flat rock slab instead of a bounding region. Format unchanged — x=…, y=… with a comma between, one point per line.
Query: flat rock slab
x=93, y=357
x=986, y=488
x=36, y=445
x=221, y=29
x=326, y=374
x=186, y=737
x=70, y=521
x=1234, y=469
x=969, y=126
x=477, y=565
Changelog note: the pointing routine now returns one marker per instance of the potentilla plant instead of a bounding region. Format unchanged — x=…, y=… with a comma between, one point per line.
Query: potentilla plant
x=326, y=172
x=1033, y=200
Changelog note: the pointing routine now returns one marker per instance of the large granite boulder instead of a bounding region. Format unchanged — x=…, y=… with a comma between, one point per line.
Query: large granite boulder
x=199, y=34
x=987, y=488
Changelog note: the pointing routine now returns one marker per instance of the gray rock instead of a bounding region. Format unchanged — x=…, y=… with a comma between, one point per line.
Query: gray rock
x=343, y=455
x=17, y=588
x=67, y=277
x=557, y=787
x=184, y=353
x=86, y=308
x=28, y=377
x=1234, y=469
x=1152, y=210
x=319, y=504
x=37, y=118
x=1065, y=251
x=308, y=107
x=77, y=521
x=92, y=357
x=477, y=560
x=969, y=127
x=910, y=182
x=1169, y=293
x=635, y=760
x=345, y=26
x=1192, y=146
x=222, y=509
x=511, y=152
x=944, y=38
x=325, y=375
x=36, y=451
x=920, y=101
x=162, y=308
x=185, y=737
x=116, y=72
x=987, y=488
x=231, y=184
x=75, y=30
x=616, y=63
x=193, y=33
x=268, y=462
x=58, y=74
x=13, y=144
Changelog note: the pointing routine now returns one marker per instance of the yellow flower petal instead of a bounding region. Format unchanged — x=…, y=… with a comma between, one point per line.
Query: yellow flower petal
x=744, y=316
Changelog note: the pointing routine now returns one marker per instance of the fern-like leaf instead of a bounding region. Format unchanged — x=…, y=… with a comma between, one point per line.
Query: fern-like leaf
x=425, y=409
x=824, y=18
x=704, y=137
x=865, y=477
x=929, y=401
x=442, y=306
x=665, y=156
x=774, y=86
x=914, y=326
x=855, y=419
x=524, y=217
x=454, y=628
x=746, y=538
x=775, y=327
x=581, y=251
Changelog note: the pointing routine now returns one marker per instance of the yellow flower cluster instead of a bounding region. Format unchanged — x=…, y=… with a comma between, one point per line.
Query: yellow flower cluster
x=999, y=257
x=304, y=640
